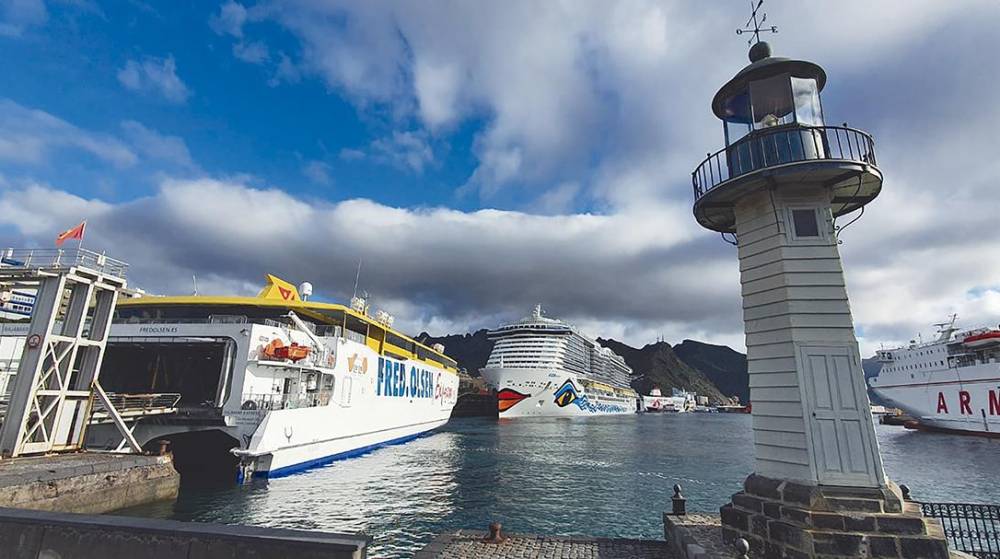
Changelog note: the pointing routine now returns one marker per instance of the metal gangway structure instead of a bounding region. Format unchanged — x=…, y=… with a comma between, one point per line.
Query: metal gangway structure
x=53, y=396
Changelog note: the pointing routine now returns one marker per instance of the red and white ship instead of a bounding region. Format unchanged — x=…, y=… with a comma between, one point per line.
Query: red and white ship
x=950, y=384
x=679, y=401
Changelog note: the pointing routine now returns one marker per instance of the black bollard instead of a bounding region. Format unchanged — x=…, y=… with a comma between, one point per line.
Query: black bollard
x=905, y=491
x=679, y=502
x=164, y=447
x=743, y=549
x=495, y=536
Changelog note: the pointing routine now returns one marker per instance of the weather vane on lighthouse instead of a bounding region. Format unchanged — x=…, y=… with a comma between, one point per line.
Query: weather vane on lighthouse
x=756, y=29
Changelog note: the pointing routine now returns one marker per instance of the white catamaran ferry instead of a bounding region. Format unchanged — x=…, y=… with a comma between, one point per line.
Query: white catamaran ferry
x=950, y=384
x=272, y=384
x=541, y=366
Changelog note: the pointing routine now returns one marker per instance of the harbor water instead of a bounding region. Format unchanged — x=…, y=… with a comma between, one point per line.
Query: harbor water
x=608, y=476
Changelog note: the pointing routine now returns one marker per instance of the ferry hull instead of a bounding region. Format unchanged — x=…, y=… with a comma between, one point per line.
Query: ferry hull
x=965, y=400
x=292, y=459
x=292, y=440
x=549, y=393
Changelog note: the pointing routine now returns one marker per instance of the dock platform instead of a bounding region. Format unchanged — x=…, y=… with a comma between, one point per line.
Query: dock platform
x=86, y=482
x=469, y=544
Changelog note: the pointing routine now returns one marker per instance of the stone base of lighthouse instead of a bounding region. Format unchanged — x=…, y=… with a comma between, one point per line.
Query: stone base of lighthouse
x=785, y=519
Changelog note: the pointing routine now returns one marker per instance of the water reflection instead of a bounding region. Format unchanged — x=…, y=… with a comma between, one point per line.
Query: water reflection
x=604, y=476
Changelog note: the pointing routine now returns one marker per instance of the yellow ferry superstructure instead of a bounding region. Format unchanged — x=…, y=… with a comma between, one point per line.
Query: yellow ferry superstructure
x=271, y=384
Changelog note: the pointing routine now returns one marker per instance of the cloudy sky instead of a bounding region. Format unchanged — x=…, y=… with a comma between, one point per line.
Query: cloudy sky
x=481, y=157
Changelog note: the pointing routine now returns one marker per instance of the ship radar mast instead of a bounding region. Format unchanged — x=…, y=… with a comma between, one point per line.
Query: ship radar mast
x=946, y=329
x=537, y=311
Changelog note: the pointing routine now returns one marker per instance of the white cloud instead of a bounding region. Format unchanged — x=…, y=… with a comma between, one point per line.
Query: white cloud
x=254, y=52
x=318, y=172
x=285, y=71
x=349, y=154
x=154, y=145
x=229, y=20
x=30, y=137
x=52, y=211
x=427, y=266
x=154, y=75
x=405, y=149
x=559, y=199
x=578, y=92
x=17, y=15
x=437, y=87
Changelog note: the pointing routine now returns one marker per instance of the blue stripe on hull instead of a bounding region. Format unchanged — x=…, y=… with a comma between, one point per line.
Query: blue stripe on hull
x=296, y=468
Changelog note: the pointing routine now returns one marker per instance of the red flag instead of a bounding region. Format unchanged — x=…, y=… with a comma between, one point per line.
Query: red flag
x=74, y=233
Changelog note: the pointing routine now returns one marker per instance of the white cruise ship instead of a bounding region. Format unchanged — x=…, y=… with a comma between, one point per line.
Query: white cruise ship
x=267, y=385
x=541, y=366
x=951, y=384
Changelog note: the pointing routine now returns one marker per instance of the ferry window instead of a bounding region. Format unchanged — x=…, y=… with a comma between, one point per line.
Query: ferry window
x=806, y=224
x=399, y=341
x=357, y=325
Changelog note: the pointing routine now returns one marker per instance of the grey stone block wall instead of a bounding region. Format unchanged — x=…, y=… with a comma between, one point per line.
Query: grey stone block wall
x=86, y=482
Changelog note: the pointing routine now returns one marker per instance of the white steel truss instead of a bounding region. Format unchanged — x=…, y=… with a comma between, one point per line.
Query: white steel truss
x=53, y=396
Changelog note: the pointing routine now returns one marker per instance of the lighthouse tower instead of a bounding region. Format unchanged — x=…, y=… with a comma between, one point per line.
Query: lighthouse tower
x=779, y=186
x=781, y=189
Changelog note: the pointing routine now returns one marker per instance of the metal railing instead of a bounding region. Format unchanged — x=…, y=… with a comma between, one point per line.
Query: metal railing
x=266, y=402
x=42, y=258
x=790, y=144
x=129, y=405
x=972, y=528
x=211, y=319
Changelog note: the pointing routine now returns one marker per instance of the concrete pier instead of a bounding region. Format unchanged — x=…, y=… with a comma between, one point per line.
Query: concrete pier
x=26, y=534
x=469, y=544
x=86, y=482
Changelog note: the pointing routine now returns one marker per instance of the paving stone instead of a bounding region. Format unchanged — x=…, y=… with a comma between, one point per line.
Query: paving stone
x=469, y=545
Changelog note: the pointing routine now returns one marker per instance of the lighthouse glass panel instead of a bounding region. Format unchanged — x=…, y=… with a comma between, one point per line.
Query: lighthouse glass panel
x=771, y=99
x=737, y=117
x=808, y=110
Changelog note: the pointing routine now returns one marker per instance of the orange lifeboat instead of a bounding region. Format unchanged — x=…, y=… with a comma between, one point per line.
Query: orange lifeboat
x=990, y=337
x=278, y=351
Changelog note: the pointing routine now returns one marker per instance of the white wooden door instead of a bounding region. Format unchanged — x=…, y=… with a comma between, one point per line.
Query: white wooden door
x=839, y=417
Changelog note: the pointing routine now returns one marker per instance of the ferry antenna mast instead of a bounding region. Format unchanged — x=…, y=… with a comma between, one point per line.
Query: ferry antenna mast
x=357, y=276
x=756, y=30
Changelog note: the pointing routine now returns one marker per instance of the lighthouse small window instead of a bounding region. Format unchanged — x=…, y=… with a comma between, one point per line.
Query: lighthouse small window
x=805, y=223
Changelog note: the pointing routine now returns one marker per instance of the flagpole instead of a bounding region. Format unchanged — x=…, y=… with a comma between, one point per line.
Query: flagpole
x=79, y=247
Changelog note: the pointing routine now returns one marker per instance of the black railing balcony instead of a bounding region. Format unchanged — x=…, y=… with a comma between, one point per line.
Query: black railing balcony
x=786, y=145
x=970, y=527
